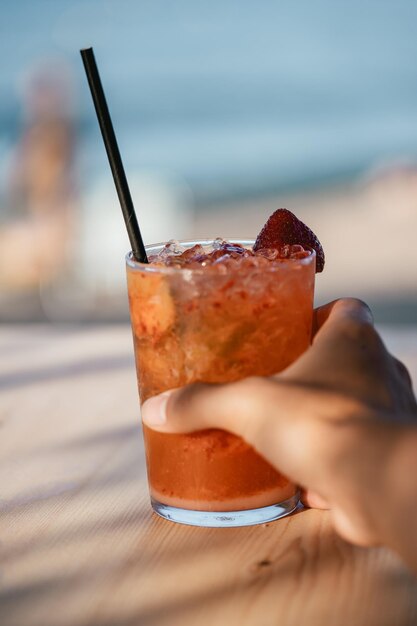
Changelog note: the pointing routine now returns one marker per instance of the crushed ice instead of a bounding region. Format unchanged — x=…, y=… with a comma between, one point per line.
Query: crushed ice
x=222, y=252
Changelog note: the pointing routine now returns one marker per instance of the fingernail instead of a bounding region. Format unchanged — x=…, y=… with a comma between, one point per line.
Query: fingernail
x=154, y=409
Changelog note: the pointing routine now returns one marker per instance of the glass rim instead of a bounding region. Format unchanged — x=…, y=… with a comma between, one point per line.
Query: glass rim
x=166, y=269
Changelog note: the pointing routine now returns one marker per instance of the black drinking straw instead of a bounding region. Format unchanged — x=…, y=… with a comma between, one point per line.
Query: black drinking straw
x=113, y=155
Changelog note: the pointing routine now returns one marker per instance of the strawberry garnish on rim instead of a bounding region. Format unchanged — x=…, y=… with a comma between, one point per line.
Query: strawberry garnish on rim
x=284, y=228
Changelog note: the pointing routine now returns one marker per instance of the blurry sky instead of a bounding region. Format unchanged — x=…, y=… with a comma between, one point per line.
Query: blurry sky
x=230, y=96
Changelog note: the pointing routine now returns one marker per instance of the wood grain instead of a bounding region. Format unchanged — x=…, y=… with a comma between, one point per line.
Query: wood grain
x=80, y=546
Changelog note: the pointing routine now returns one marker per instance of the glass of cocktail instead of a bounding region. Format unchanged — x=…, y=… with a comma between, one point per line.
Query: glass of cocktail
x=215, y=312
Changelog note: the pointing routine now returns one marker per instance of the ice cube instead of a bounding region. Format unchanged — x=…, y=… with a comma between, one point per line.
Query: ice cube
x=268, y=253
x=174, y=247
x=296, y=248
x=217, y=243
x=232, y=247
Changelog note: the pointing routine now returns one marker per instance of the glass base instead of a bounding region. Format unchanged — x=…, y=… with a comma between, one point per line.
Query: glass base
x=224, y=519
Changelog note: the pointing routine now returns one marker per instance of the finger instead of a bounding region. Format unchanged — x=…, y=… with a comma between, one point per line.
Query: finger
x=403, y=372
x=321, y=314
x=339, y=311
x=312, y=500
x=402, y=392
x=345, y=350
x=201, y=405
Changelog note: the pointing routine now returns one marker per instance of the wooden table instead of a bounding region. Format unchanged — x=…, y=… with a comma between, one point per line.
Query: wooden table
x=80, y=546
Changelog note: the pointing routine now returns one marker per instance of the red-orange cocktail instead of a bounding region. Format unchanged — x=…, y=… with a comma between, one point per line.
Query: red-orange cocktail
x=216, y=313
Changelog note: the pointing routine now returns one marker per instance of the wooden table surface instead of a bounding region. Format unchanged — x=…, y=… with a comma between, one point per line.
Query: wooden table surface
x=80, y=546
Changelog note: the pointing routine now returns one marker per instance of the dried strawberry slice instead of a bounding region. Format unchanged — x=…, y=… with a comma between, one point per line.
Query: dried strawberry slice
x=284, y=228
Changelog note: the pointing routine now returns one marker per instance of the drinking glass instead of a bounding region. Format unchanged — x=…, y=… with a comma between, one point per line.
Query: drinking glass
x=216, y=325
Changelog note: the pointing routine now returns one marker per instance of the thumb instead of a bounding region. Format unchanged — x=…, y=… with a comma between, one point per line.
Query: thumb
x=203, y=405
x=266, y=413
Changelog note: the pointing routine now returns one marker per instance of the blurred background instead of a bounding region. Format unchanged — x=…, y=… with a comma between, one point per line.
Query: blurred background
x=224, y=112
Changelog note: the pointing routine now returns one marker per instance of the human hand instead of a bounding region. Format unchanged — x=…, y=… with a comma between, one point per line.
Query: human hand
x=327, y=421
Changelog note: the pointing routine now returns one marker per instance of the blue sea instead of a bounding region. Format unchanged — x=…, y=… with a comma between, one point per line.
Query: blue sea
x=228, y=97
